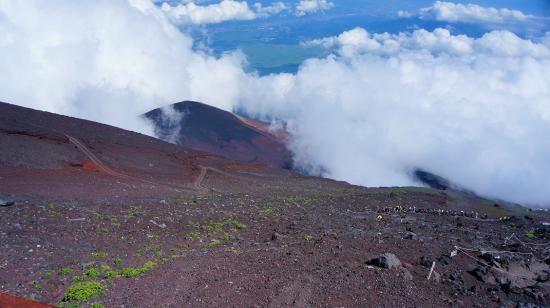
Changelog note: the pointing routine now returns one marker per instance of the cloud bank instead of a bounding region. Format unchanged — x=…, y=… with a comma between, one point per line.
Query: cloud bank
x=190, y=13
x=474, y=110
x=470, y=13
x=104, y=60
x=312, y=6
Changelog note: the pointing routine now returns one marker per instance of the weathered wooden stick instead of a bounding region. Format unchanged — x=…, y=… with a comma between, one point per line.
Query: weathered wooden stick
x=431, y=270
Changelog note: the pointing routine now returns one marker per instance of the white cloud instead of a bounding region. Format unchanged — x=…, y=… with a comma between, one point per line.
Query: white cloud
x=473, y=110
x=457, y=12
x=312, y=6
x=213, y=13
x=273, y=9
x=104, y=60
x=191, y=13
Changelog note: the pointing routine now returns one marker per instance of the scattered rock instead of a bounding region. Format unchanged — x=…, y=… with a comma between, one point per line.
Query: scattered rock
x=527, y=305
x=406, y=274
x=411, y=236
x=162, y=226
x=426, y=261
x=444, y=260
x=483, y=274
x=5, y=201
x=387, y=260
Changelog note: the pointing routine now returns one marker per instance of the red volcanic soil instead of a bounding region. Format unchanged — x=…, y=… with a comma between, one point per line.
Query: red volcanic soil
x=10, y=301
x=206, y=128
x=152, y=224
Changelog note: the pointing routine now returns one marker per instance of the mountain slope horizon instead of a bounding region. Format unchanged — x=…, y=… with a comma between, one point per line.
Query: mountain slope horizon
x=202, y=127
x=94, y=214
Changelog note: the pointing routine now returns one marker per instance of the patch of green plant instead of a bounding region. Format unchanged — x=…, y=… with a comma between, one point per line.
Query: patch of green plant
x=104, y=267
x=237, y=224
x=79, y=278
x=37, y=286
x=266, y=211
x=112, y=274
x=65, y=271
x=226, y=236
x=308, y=237
x=84, y=291
x=99, y=254
x=130, y=272
x=531, y=234
x=158, y=254
x=93, y=272
x=97, y=305
x=134, y=211
x=117, y=261
x=103, y=230
x=49, y=273
x=212, y=244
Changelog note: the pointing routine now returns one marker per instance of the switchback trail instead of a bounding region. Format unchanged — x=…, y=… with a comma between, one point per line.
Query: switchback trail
x=84, y=149
x=198, y=182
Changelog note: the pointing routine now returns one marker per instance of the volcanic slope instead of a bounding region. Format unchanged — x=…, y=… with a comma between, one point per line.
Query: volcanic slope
x=206, y=128
x=107, y=216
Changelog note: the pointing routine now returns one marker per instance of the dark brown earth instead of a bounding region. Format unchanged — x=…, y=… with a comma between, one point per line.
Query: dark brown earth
x=202, y=127
x=96, y=203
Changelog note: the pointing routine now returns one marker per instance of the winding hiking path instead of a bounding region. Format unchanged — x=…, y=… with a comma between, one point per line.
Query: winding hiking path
x=198, y=182
x=86, y=151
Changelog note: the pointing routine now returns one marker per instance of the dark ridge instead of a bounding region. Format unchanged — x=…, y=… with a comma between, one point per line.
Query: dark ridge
x=206, y=128
x=431, y=180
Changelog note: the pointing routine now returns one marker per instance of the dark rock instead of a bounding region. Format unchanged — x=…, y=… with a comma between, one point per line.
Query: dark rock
x=482, y=274
x=274, y=236
x=411, y=236
x=444, y=260
x=527, y=305
x=426, y=261
x=5, y=201
x=387, y=260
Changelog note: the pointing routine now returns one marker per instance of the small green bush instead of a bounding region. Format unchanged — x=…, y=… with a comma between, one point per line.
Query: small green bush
x=65, y=271
x=112, y=274
x=99, y=254
x=212, y=244
x=308, y=237
x=84, y=291
x=93, y=272
x=130, y=272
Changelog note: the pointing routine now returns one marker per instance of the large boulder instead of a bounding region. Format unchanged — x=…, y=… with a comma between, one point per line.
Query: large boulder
x=5, y=201
x=387, y=260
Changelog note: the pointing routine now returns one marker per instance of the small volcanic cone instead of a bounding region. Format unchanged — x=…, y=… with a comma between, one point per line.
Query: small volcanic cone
x=206, y=128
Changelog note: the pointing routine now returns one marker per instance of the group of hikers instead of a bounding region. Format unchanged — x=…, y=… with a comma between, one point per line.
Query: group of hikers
x=441, y=212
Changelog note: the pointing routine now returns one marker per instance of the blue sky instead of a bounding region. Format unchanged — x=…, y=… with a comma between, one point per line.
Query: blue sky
x=375, y=16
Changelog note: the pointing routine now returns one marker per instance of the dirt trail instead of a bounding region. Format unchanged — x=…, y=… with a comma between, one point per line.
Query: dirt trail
x=96, y=160
x=84, y=149
x=198, y=182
